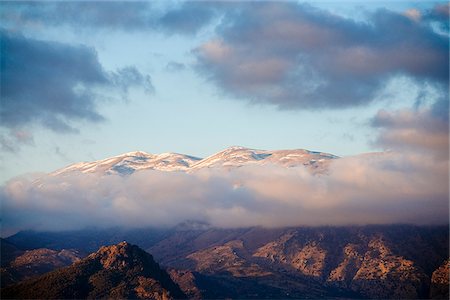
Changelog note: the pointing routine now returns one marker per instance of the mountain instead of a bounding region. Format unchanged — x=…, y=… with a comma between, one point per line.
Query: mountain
x=130, y=162
x=118, y=271
x=389, y=261
x=394, y=261
x=440, y=281
x=376, y=261
x=239, y=156
x=8, y=252
x=232, y=157
x=18, y=265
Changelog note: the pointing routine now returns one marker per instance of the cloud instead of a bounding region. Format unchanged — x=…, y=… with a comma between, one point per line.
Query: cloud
x=129, y=76
x=423, y=129
x=11, y=142
x=182, y=18
x=54, y=84
x=188, y=18
x=46, y=81
x=413, y=14
x=379, y=188
x=294, y=56
x=174, y=66
x=127, y=15
x=300, y=57
x=439, y=14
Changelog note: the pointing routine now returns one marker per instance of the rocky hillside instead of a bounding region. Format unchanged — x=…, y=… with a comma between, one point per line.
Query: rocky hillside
x=395, y=261
x=19, y=265
x=361, y=262
x=118, y=271
x=440, y=282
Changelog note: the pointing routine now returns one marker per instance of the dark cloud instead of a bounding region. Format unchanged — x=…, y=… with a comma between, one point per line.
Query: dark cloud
x=184, y=18
x=54, y=84
x=440, y=14
x=126, y=15
x=188, y=18
x=47, y=82
x=298, y=56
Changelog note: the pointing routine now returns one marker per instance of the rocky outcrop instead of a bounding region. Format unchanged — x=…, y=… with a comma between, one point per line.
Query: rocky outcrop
x=368, y=267
x=225, y=258
x=439, y=288
x=275, y=251
x=310, y=260
x=186, y=281
x=344, y=273
x=385, y=275
x=119, y=271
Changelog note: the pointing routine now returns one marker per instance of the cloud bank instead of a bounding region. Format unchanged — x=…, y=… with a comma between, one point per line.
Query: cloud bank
x=301, y=57
x=419, y=130
x=378, y=188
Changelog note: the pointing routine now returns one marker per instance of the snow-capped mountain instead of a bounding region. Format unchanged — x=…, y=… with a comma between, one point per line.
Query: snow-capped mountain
x=238, y=156
x=232, y=157
x=130, y=162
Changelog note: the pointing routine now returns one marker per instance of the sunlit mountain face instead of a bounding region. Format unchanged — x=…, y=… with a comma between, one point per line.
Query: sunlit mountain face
x=389, y=261
x=339, y=190
x=232, y=157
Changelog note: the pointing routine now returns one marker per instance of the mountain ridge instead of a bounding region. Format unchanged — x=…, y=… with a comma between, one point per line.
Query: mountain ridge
x=383, y=261
x=231, y=157
x=122, y=271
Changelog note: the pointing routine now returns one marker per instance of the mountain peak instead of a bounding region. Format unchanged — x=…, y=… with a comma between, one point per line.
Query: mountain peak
x=120, y=271
x=231, y=157
x=136, y=154
x=120, y=256
x=233, y=148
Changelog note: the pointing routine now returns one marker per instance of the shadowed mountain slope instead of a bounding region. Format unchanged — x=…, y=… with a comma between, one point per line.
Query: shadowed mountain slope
x=118, y=271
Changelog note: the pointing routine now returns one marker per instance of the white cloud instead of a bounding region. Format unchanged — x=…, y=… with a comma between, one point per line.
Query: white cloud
x=367, y=189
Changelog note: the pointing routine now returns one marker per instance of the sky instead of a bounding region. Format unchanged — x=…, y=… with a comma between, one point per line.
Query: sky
x=82, y=81
x=86, y=80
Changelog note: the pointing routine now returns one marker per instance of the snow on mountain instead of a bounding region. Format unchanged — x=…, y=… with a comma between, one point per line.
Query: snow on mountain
x=232, y=157
x=130, y=162
x=238, y=156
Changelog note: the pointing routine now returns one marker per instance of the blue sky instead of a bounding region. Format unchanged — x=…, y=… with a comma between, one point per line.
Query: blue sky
x=84, y=81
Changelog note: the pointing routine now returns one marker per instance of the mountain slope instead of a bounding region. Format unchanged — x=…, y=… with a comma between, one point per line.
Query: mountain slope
x=390, y=261
x=130, y=162
x=118, y=271
x=31, y=263
x=9, y=251
x=364, y=262
x=232, y=157
x=440, y=281
x=238, y=156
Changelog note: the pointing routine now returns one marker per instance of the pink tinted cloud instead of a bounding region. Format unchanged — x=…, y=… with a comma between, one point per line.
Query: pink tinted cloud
x=378, y=188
